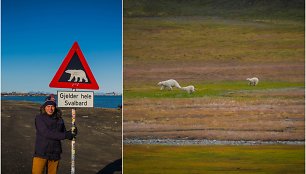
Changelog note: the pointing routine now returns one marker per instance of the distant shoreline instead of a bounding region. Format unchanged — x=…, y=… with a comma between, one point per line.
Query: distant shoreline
x=111, y=102
x=39, y=95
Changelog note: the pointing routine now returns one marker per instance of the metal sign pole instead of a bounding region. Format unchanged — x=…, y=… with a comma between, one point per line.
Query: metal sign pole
x=78, y=65
x=73, y=140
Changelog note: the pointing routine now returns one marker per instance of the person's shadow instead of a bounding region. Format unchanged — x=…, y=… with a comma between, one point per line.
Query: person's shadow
x=111, y=168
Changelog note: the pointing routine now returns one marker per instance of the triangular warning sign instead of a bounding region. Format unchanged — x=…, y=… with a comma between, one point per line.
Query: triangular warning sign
x=74, y=72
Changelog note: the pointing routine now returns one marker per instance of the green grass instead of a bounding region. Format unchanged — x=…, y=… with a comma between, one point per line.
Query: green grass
x=213, y=89
x=272, y=159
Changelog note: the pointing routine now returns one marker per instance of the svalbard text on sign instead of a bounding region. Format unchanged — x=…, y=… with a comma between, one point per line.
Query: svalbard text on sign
x=75, y=99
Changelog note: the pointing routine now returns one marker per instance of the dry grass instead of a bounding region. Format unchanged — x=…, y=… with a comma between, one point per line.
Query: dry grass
x=204, y=71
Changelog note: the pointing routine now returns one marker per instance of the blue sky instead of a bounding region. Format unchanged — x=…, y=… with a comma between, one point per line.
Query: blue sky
x=36, y=36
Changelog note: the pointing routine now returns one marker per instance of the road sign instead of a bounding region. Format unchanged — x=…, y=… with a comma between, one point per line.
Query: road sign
x=74, y=72
x=75, y=99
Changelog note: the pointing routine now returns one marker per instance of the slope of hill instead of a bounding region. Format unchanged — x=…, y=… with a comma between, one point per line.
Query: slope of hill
x=262, y=9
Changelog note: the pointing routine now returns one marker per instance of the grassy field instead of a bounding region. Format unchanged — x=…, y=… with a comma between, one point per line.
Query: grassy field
x=206, y=38
x=215, y=54
x=272, y=159
x=233, y=89
x=214, y=45
x=197, y=50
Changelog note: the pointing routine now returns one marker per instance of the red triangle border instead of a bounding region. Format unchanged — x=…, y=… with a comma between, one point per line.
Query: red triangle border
x=74, y=85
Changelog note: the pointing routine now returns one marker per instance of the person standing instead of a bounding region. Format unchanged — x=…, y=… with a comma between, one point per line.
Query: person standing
x=50, y=130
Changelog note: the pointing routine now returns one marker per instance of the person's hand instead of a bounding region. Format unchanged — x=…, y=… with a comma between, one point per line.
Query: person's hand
x=69, y=135
x=75, y=131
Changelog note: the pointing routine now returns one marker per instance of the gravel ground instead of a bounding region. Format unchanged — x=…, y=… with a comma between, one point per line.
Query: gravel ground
x=98, y=143
x=207, y=142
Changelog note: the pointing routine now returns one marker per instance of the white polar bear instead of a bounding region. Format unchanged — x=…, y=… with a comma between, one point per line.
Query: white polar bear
x=168, y=84
x=76, y=74
x=190, y=89
x=253, y=81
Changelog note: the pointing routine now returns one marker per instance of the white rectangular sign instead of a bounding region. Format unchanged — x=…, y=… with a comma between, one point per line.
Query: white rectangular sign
x=75, y=99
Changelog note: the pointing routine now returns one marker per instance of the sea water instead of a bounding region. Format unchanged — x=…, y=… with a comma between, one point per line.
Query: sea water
x=99, y=101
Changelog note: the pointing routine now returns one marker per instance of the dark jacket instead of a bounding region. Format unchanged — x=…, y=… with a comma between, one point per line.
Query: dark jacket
x=50, y=130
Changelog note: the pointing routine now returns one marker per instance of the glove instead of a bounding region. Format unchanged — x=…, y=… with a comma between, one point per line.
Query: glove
x=75, y=132
x=69, y=135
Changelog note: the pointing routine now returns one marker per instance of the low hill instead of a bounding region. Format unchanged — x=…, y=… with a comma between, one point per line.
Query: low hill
x=262, y=9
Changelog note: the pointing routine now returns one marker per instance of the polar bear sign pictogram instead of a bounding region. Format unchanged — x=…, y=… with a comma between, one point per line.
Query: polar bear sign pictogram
x=74, y=72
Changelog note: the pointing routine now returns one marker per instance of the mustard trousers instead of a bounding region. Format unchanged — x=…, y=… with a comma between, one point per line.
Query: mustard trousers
x=39, y=164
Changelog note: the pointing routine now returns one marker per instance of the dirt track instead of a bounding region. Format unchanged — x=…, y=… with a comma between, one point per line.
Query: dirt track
x=98, y=144
x=218, y=118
